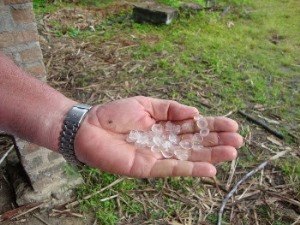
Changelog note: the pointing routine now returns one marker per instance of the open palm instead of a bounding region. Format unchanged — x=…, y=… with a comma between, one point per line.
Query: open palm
x=100, y=141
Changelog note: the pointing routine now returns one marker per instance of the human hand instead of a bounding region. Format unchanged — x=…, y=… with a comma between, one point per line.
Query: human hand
x=101, y=139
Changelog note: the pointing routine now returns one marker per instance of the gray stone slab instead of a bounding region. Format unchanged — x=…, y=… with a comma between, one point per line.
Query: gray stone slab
x=153, y=13
x=191, y=7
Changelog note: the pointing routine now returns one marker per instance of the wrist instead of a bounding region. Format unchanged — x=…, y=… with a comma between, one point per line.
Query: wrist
x=56, y=120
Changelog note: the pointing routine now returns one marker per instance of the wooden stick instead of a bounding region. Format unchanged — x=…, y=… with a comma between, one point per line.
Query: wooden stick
x=234, y=189
x=42, y=220
x=212, y=183
x=262, y=124
x=76, y=203
x=28, y=211
x=231, y=173
x=11, y=213
x=296, y=222
x=6, y=154
x=109, y=198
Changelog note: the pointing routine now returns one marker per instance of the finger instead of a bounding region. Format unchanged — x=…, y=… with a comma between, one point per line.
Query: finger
x=222, y=138
x=214, y=154
x=218, y=124
x=174, y=168
x=162, y=110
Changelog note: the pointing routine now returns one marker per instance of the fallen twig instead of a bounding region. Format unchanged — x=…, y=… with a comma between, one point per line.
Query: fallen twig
x=28, y=211
x=213, y=183
x=75, y=203
x=229, y=114
x=269, y=120
x=108, y=198
x=231, y=173
x=262, y=124
x=6, y=154
x=284, y=198
x=22, y=210
x=234, y=189
x=40, y=219
x=297, y=221
x=56, y=212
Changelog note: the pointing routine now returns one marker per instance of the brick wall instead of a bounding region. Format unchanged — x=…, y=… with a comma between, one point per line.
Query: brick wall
x=19, y=40
x=19, y=37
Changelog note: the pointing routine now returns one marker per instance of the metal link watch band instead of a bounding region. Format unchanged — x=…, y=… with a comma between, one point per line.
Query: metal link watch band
x=71, y=124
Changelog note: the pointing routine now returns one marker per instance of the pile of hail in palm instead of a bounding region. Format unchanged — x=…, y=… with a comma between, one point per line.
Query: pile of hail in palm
x=166, y=139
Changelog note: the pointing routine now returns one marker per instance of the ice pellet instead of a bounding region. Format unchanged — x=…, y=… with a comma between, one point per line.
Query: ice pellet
x=134, y=135
x=155, y=148
x=182, y=154
x=185, y=144
x=198, y=117
x=157, y=128
x=202, y=123
x=167, y=145
x=169, y=126
x=204, y=132
x=158, y=140
x=174, y=139
x=167, y=153
x=197, y=138
x=187, y=127
x=176, y=129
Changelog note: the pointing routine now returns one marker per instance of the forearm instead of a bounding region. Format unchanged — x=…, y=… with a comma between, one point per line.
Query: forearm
x=29, y=108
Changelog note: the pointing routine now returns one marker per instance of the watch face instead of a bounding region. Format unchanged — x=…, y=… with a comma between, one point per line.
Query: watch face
x=75, y=115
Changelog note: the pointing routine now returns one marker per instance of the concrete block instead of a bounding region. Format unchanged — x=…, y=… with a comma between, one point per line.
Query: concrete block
x=153, y=13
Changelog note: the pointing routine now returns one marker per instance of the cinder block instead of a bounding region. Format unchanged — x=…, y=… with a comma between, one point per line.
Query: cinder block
x=153, y=13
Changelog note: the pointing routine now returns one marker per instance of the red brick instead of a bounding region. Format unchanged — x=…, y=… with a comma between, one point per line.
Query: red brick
x=22, y=15
x=36, y=70
x=31, y=55
x=8, y=39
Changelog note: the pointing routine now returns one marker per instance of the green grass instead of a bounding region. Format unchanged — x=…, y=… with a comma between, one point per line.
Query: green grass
x=176, y=3
x=248, y=56
x=106, y=211
x=43, y=6
x=291, y=168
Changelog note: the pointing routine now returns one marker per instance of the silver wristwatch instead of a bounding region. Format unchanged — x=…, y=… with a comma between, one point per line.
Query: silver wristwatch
x=71, y=124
